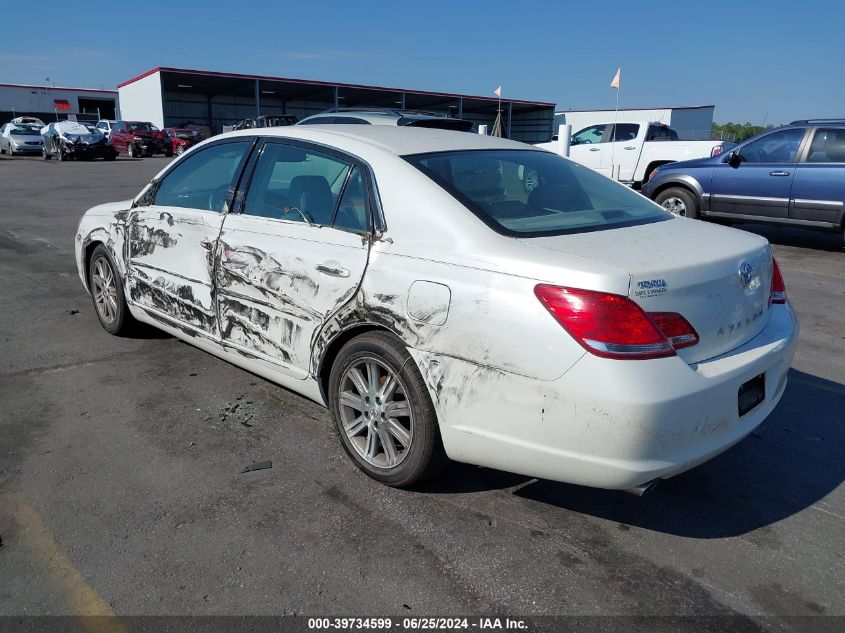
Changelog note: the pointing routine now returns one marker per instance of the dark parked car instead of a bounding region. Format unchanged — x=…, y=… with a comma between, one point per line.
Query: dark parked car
x=793, y=175
x=140, y=138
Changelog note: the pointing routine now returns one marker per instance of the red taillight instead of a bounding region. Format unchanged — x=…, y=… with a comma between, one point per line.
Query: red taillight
x=716, y=151
x=676, y=328
x=778, y=291
x=607, y=325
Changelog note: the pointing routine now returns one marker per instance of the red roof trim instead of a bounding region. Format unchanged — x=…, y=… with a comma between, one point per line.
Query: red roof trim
x=696, y=107
x=112, y=92
x=314, y=82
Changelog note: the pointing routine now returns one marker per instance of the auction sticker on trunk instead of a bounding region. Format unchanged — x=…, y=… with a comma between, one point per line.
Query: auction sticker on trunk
x=650, y=288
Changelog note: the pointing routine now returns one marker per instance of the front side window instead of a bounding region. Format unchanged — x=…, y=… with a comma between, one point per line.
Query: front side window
x=526, y=193
x=296, y=184
x=590, y=135
x=828, y=146
x=777, y=147
x=202, y=180
x=352, y=211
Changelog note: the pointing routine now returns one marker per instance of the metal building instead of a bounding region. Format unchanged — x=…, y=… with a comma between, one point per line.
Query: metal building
x=173, y=97
x=690, y=122
x=50, y=103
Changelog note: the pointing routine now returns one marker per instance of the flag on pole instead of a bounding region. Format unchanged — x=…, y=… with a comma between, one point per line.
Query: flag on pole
x=498, y=91
x=617, y=78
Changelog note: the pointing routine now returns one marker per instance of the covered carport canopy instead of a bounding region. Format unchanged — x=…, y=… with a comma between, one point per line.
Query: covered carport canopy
x=216, y=99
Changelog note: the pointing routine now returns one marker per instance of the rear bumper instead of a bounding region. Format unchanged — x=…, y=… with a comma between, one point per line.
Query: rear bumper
x=613, y=424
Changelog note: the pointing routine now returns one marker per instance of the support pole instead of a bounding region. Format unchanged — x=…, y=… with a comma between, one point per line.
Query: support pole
x=461, y=108
x=510, y=116
x=257, y=99
x=336, y=97
x=564, y=138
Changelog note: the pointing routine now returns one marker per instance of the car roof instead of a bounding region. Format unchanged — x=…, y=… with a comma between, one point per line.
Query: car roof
x=399, y=140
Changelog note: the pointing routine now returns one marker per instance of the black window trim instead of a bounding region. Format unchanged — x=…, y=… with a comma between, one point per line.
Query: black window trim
x=490, y=221
x=376, y=222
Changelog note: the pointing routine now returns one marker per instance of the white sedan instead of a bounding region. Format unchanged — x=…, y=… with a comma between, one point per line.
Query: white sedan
x=454, y=295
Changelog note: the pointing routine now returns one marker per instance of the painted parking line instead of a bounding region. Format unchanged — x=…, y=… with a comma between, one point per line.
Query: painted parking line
x=36, y=538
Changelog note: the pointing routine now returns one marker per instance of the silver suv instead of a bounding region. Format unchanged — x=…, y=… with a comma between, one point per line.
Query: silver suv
x=376, y=116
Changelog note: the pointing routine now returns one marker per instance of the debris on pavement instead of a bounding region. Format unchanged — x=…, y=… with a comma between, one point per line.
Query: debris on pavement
x=257, y=466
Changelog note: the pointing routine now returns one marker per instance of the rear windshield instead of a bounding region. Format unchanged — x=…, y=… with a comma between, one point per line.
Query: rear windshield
x=525, y=193
x=442, y=123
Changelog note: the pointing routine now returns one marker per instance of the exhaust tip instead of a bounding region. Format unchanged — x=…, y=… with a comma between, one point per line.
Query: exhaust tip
x=643, y=489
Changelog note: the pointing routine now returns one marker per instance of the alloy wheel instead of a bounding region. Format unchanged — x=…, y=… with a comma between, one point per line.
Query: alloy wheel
x=675, y=206
x=104, y=289
x=375, y=413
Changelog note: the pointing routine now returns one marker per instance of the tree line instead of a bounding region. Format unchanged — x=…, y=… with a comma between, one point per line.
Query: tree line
x=738, y=131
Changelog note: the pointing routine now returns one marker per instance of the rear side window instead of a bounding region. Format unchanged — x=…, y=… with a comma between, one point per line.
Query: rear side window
x=828, y=146
x=352, y=211
x=292, y=183
x=777, y=147
x=526, y=193
x=202, y=179
x=625, y=131
x=320, y=120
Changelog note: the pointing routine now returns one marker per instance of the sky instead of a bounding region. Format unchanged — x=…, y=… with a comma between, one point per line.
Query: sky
x=758, y=61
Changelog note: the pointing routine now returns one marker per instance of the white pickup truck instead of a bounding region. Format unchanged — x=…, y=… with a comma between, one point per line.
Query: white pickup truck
x=634, y=150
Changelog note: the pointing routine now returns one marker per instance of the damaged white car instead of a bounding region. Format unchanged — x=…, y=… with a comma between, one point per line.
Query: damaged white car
x=454, y=295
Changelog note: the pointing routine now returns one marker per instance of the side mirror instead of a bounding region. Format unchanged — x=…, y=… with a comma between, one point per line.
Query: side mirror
x=733, y=157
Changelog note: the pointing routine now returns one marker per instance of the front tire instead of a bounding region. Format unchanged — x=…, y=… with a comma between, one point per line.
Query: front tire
x=107, y=294
x=383, y=411
x=130, y=150
x=678, y=201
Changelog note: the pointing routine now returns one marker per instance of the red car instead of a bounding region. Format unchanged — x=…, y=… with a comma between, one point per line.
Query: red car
x=182, y=138
x=139, y=138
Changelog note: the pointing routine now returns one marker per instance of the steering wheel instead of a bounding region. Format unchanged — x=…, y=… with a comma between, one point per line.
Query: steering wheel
x=217, y=198
x=586, y=141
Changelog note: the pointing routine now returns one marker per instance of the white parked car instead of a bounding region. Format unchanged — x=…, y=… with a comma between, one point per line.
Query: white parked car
x=451, y=294
x=20, y=138
x=631, y=151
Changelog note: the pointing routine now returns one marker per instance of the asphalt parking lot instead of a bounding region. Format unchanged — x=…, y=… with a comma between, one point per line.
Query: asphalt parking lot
x=121, y=487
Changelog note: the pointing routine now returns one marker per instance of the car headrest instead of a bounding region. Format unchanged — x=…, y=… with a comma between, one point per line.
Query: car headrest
x=313, y=195
x=559, y=197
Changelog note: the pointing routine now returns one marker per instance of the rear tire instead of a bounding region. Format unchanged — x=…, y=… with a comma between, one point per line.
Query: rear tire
x=107, y=293
x=678, y=201
x=383, y=411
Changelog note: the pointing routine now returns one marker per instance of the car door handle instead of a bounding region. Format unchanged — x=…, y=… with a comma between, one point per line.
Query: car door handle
x=595, y=149
x=331, y=270
x=631, y=147
x=778, y=173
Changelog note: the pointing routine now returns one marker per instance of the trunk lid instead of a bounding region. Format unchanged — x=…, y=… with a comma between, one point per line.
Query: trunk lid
x=717, y=278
